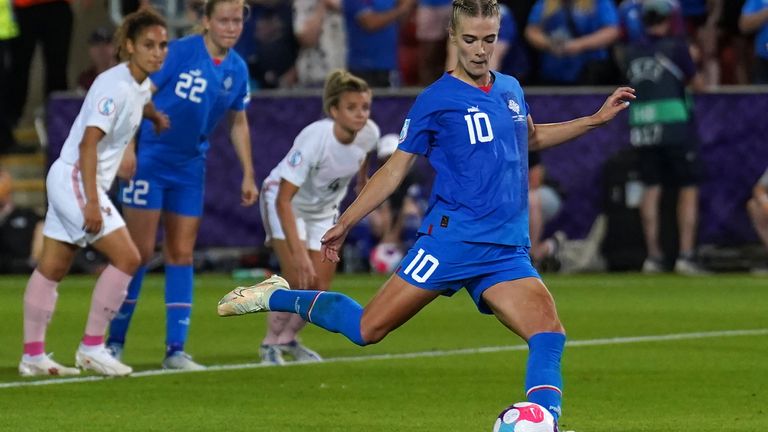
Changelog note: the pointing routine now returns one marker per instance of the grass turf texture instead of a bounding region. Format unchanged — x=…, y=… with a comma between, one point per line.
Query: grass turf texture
x=707, y=384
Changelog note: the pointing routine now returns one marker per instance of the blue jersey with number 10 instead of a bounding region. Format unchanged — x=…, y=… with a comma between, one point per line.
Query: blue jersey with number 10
x=477, y=143
x=195, y=93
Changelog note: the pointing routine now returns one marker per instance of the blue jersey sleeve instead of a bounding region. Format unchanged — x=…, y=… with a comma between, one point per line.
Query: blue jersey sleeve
x=418, y=129
x=240, y=102
x=607, y=13
x=536, y=13
x=168, y=70
x=752, y=6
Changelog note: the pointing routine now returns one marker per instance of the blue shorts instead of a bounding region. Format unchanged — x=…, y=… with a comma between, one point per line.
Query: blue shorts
x=448, y=266
x=157, y=186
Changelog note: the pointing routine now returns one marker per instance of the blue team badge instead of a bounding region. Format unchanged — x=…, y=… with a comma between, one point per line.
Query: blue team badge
x=227, y=83
x=106, y=106
x=404, y=131
x=294, y=159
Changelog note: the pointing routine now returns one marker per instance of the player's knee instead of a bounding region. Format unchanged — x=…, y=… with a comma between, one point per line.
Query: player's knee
x=53, y=271
x=129, y=261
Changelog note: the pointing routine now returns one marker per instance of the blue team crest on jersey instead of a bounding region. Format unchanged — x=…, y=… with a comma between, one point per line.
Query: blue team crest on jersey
x=227, y=83
x=106, y=106
x=295, y=158
x=404, y=131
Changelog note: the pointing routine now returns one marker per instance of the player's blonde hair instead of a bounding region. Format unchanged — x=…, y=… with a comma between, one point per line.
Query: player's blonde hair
x=205, y=8
x=473, y=8
x=552, y=6
x=338, y=82
x=132, y=26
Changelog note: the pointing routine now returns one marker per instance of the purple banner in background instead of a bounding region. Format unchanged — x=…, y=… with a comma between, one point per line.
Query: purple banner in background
x=732, y=128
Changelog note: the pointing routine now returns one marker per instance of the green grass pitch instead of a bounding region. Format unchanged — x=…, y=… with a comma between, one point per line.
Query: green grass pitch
x=647, y=353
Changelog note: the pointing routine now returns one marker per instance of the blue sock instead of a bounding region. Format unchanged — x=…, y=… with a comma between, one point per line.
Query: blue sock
x=543, y=379
x=118, y=328
x=179, y=281
x=330, y=310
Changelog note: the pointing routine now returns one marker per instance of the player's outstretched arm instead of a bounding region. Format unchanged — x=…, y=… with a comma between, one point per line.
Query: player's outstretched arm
x=379, y=187
x=541, y=136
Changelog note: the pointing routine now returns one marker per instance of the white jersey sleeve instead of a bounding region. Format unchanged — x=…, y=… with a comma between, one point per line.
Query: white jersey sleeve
x=103, y=105
x=305, y=154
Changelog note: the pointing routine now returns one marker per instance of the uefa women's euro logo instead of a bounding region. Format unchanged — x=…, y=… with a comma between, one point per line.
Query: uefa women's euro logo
x=106, y=106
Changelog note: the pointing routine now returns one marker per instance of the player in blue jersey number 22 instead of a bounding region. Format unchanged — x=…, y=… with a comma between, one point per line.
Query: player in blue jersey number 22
x=202, y=81
x=474, y=127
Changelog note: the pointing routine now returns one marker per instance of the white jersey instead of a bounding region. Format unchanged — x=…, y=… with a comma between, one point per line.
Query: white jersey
x=113, y=104
x=322, y=167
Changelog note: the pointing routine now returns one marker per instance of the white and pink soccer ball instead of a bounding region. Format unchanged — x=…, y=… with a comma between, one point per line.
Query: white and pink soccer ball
x=385, y=258
x=525, y=417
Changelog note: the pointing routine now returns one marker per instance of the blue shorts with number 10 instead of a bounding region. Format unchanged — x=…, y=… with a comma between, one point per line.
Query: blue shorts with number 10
x=448, y=266
x=176, y=188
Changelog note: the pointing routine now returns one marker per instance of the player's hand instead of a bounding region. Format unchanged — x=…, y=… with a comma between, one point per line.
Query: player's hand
x=92, y=218
x=249, y=193
x=615, y=103
x=332, y=242
x=161, y=121
x=306, y=270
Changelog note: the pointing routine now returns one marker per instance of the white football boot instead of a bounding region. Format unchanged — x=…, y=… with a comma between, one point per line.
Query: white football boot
x=181, y=361
x=271, y=354
x=100, y=361
x=243, y=300
x=300, y=353
x=43, y=365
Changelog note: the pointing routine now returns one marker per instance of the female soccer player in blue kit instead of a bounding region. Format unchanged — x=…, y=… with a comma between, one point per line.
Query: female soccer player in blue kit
x=474, y=127
x=202, y=80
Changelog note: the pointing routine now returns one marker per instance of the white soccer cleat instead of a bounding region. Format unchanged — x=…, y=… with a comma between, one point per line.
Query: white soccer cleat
x=687, y=267
x=300, y=353
x=271, y=354
x=43, y=365
x=100, y=361
x=181, y=361
x=243, y=300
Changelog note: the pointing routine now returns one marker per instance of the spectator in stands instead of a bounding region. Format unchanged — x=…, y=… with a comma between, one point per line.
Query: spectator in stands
x=319, y=29
x=268, y=45
x=757, y=207
x=44, y=22
x=101, y=52
x=661, y=128
x=202, y=81
x=544, y=204
x=631, y=22
x=701, y=20
x=372, y=29
x=301, y=198
x=432, y=17
x=733, y=50
x=8, y=31
x=754, y=19
x=79, y=210
x=21, y=231
x=574, y=37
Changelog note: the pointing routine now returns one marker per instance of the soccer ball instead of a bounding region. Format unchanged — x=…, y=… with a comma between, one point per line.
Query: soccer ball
x=525, y=417
x=385, y=257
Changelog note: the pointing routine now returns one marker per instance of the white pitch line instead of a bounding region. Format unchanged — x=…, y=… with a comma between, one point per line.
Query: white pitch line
x=412, y=355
